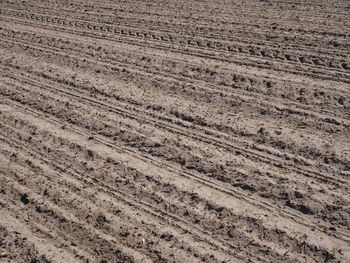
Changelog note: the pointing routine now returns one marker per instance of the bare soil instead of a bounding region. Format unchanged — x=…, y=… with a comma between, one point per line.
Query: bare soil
x=174, y=131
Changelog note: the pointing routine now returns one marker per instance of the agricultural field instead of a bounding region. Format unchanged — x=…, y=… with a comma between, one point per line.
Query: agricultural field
x=175, y=131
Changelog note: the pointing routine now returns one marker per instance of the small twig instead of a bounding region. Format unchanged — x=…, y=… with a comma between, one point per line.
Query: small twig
x=313, y=258
x=249, y=243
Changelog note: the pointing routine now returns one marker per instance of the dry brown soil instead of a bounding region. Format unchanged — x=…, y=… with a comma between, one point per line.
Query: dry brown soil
x=175, y=131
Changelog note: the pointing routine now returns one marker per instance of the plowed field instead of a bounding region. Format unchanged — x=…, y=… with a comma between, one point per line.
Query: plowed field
x=174, y=131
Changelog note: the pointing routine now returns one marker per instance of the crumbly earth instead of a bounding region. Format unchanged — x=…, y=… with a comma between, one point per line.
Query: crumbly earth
x=174, y=131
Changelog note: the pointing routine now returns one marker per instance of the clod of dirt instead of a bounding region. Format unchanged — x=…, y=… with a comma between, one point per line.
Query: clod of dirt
x=262, y=131
x=24, y=199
